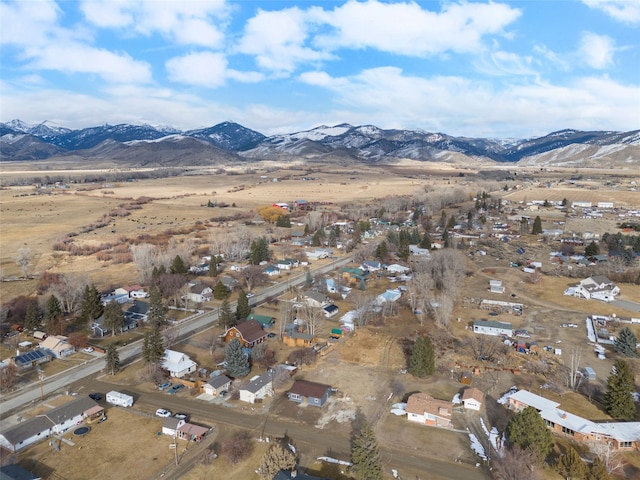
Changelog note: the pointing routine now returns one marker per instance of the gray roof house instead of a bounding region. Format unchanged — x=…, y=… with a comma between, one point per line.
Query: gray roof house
x=216, y=385
x=311, y=393
x=57, y=420
x=258, y=388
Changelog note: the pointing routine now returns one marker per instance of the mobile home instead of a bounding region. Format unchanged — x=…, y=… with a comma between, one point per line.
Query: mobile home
x=119, y=399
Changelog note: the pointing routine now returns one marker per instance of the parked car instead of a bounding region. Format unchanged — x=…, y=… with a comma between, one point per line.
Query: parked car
x=181, y=416
x=88, y=350
x=161, y=412
x=522, y=333
x=249, y=295
x=164, y=386
x=271, y=335
x=102, y=419
x=176, y=388
x=95, y=396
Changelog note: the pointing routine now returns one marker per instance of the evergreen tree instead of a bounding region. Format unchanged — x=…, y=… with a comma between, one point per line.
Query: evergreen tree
x=91, y=305
x=382, y=250
x=365, y=455
x=426, y=241
x=446, y=240
x=243, y=310
x=422, y=362
x=626, y=343
x=333, y=238
x=178, y=267
x=225, y=318
x=564, y=202
x=592, y=249
x=112, y=359
x=155, y=314
x=283, y=221
x=153, y=346
x=33, y=316
x=316, y=240
x=237, y=362
x=259, y=251
x=443, y=220
x=220, y=291
x=618, y=399
x=451, y=222
x=537, y=226
x=308, y=279
x=403, y=249
x=213, y=265
x=278, y=457
x=113, y=317
x=528, y=429
x=339, y=232
x=53, y=311
x=571, y=465
x=597, y=471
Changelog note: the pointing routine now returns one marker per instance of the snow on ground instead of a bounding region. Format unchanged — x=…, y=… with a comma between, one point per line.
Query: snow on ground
x=504, y=399
x=591, y=335
x=334, y=460
x=477, y=447
x=497, y=441
x=401, y=406
x=398, y=411
x=456, y=399
x=484, y=427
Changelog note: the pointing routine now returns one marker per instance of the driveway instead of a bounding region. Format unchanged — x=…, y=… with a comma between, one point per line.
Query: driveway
x=627, y=305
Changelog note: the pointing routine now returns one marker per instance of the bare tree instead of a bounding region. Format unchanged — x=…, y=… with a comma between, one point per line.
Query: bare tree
x=287, y=315
x=24, y=259
x=8, y=376
x=170, y=336
x=145, y=257
x=515, y=464
x=252, y=275
x=313, y=319
x=364, y=307
x=70, y=289
x=484, y=347
x=443, y=308
x=572, y=373
x=611, y=457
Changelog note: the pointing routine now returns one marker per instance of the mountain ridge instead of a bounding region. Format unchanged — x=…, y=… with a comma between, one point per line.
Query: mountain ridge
x=230, y=141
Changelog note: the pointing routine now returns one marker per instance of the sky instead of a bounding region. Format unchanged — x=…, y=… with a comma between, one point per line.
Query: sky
x=505, y=69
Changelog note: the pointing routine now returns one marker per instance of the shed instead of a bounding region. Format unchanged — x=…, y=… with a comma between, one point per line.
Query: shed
x=466, y=378
x=589, y=373
x=472, y=399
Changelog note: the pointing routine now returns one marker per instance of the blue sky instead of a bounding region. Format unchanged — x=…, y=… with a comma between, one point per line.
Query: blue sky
x=473, y=68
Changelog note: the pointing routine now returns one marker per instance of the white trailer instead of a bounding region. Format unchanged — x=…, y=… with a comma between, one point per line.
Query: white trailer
x=120, y=399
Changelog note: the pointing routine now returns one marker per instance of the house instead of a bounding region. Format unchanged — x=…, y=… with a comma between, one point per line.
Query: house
x=317, y=254
x=371, y=266
x=32, y=359
x=192, y=433
x=216, y=385
x=58, y=346
x=301, y=204
x=131, y=291
x=309, y=393
x=424, y=409
x=472, y=399
x=200, y=293
x=119, y=298
x=389, y=296
x=287, y=263
x=419, y=252
x=272, y=270
x=293, y=337
x=178, y=364
x=396, y=268
x=597, y=287
x=492, y=327
x=616, y=435
x=249, y=332
x=264, y=320
x=315, y=299
x=229, y=282
x=330, y=310
x=132, y=319
x=56, y=421
x=495, y=286
x=258, y=388
x=170, y=426
x=16, y=472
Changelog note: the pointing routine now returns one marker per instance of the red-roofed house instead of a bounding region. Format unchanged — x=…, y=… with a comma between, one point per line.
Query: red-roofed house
x=249, y=332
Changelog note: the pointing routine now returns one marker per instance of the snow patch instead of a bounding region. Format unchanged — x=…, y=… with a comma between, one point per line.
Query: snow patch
x=334, y=460
x=456, y=399
x=477, y=447
x=504, y=399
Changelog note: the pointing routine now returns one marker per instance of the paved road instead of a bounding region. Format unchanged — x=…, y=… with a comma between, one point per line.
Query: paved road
x=33, y=392
x=627, y=305
x=306, y=437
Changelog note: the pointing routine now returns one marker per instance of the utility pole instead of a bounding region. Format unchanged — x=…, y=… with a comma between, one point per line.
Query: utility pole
x=41, y=378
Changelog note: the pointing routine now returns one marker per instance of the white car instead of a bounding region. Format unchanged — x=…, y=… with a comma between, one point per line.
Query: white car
x=88, y=350
x=161, y=412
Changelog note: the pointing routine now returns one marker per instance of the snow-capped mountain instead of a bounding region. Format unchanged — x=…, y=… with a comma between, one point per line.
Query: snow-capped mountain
x=343, y=142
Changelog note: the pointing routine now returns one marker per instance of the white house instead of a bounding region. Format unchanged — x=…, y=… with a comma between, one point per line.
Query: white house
x=597, y=287
x=258, y=388
x=396, y=268
x=170, y=426
x=131, y=291
x=200, y=293
x=495, y=286
x=492, y=327
x=472, y=399
x=317, y=254
x=178, y=364
x=416, y=250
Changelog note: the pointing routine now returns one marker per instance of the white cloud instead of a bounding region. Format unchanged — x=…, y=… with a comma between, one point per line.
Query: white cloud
x=408, y=29
x=625, y=11
x=277, y=39
x=186, y=22
x=28, y=23
x=206, y=69
x=596, y=50
x=78, y=58
x=501, y=63
x=459, y=106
